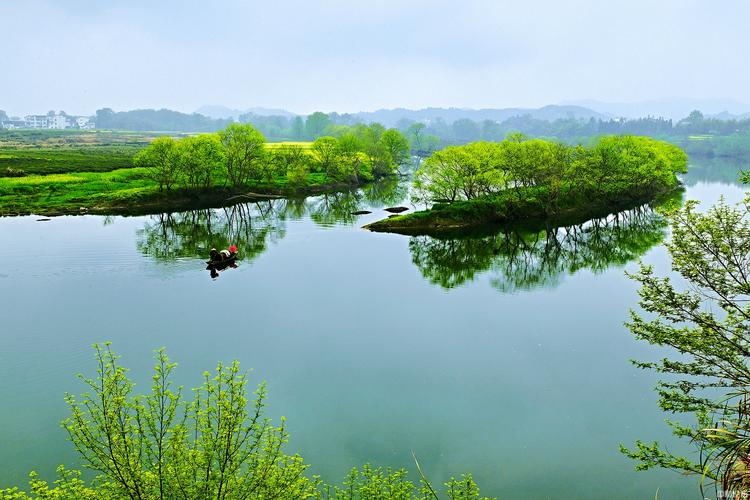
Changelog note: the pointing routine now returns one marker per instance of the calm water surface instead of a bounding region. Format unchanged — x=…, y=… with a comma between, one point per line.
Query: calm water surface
x=504, y=354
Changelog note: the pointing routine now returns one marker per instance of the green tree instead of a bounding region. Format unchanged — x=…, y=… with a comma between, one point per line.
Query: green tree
x=298, y=129
x=704, y=316
x=200, y=157
x=327, y=157
x=244, y=152
x=315, y=124
x=160, y=158
x=161, y=445
x=396, y=145
x=415, y=135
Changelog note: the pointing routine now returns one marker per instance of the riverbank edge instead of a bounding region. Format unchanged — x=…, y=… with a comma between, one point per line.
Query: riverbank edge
x=185, y=199
x=485, y=213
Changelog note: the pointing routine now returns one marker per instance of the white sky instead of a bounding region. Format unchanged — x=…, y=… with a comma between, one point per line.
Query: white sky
x=80, y=55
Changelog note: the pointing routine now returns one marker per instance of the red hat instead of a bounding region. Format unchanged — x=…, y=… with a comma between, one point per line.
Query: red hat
x=233, y=249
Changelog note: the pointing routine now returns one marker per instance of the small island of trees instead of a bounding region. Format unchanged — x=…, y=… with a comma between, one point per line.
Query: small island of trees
x=520, y=180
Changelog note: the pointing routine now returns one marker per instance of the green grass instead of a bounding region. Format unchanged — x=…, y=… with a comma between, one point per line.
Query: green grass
x=63, y=151
x=60, y=171
x=126, y=191
x=68, y=159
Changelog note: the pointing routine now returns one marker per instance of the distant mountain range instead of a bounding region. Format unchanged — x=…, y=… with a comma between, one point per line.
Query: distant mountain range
x=390, y=117
x=218, y=112
x=675, y=108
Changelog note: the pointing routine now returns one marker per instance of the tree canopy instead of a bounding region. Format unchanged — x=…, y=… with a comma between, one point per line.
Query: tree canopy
x=614, y=164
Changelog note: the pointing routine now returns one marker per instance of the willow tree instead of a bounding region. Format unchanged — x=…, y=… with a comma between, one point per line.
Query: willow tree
x=200, y=158
x=244, y=152
x=704, y=316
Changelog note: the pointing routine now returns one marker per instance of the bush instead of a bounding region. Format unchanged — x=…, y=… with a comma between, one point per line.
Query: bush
x=160, y=445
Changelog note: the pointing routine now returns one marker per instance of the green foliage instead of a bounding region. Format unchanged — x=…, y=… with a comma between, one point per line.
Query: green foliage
x=199, y=158
x=360, y=153
x=244, y=153
x=315, y=124
x=535, y=178
x=161, y=445
x=375, y=482
x=291, y=161
x=67, y=486
x=707, y=323
x=160, y=158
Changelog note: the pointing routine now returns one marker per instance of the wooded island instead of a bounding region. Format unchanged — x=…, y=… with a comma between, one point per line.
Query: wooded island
x=536, y=180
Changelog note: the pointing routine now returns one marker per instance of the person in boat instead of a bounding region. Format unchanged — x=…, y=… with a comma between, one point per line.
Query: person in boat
x=223, y=255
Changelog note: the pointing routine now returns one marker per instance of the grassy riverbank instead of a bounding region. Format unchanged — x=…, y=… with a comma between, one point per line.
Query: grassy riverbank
x=58, y=172
x=130, y=191
x=109, y=172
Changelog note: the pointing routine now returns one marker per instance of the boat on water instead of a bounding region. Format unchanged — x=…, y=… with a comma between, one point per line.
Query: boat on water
x=220, y=264
x=220, y=260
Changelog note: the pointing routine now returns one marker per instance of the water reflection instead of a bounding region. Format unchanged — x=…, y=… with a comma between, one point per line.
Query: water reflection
x=252, y=226
x=522, y=259
x=722, y=170
x=191, y=234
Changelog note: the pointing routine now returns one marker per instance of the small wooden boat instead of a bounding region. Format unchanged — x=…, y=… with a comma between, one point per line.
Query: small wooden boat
x=219, y=264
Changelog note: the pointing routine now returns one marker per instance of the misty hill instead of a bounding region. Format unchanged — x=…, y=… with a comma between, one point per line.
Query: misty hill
x=390, y=117
x=673, y=109
x=218, y=112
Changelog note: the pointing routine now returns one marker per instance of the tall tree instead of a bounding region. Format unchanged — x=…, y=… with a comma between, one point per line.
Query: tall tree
x=298, y=129
x=243, y=152
x=707, y=324
x=160, y=158
x=315, y=124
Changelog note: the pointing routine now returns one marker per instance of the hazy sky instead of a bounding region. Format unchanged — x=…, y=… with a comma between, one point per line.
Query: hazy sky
x=352, y=55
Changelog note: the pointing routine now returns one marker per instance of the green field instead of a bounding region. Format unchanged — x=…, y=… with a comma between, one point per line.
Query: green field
x=63, y=151
x=52, y=172
x=124, y=191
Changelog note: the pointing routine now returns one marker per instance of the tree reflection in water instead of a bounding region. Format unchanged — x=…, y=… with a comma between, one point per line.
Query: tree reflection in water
x=191, y=234
x=253, y=225
x=522, y=259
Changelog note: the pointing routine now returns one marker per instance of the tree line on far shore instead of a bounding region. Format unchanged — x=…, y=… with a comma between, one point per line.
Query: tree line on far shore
x=238, y=155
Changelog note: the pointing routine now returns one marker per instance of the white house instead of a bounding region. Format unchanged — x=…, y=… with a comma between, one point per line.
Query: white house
x=36, y=121
x=57, y=121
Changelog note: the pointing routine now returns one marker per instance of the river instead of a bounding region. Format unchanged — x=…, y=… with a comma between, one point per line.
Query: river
x=503, y=355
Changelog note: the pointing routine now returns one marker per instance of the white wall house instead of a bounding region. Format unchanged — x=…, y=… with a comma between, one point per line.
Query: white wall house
x=36, y=121
x=57, y=121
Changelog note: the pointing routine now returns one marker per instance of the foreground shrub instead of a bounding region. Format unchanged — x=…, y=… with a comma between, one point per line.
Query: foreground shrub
x=161, y=445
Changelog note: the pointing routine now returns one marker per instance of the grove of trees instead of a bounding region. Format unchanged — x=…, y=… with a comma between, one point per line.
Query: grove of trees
x=239, y=156
x=552, y=173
